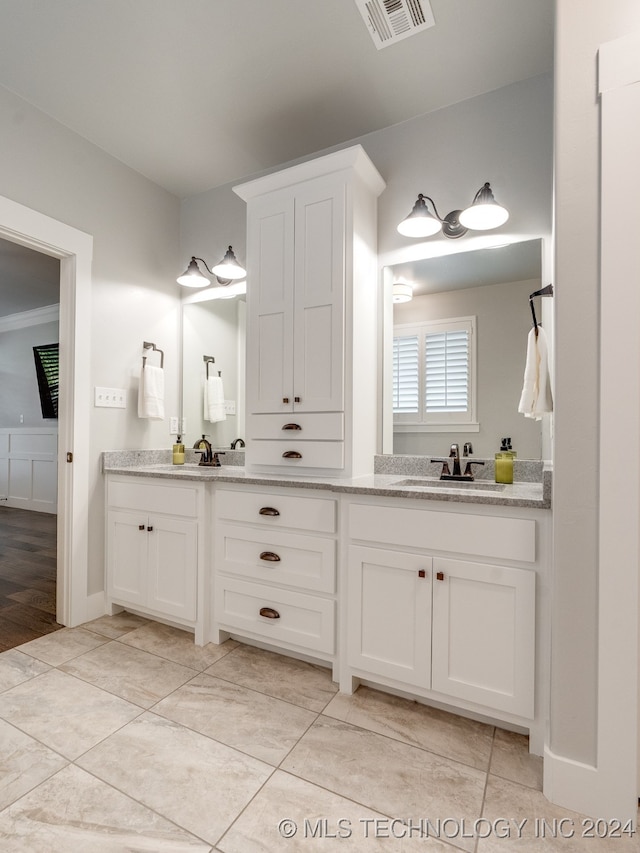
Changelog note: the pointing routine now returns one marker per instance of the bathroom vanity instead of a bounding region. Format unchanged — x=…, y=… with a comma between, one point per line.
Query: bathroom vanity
x=434, y=592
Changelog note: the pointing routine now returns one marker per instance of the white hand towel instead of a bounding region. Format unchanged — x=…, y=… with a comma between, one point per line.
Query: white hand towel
x=536, y=399
x=214, y=399
x=151, y=393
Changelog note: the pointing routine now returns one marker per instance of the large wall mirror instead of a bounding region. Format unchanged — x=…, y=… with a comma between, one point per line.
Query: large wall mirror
x=492, y=286
x=214, y=328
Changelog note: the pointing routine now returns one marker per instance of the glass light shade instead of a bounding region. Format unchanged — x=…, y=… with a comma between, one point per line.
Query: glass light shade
x=229, y=268
x=402, y=291
x=420, y=222
x=192, y=277
x=484, y=213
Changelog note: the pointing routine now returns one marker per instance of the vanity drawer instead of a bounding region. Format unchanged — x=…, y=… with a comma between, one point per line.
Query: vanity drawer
x=478, y=535
x=278, y=510
x=327, y=426
x=300, y=620
x=274, y=556
x=153, y=496
x=313, y=454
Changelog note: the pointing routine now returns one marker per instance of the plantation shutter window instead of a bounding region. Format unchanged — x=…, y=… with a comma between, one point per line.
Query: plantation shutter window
x=434, y=374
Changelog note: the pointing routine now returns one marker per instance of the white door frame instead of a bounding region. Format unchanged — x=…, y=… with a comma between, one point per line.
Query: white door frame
x=74, y=248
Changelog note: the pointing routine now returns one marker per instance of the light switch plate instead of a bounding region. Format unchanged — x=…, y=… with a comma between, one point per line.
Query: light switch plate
x=173, y=429
x=229, y=407
x=110, y=398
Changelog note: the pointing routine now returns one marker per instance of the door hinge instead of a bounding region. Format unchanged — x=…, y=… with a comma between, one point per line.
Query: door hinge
x=69, y=457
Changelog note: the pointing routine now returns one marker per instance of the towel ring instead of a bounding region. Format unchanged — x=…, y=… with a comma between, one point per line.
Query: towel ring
x=149, y=345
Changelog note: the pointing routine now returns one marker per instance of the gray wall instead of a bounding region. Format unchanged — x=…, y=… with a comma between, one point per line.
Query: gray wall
x=19, y=394
x=135, y=226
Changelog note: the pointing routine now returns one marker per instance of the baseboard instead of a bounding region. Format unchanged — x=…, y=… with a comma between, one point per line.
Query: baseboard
x=583, y=788
x=96, y=606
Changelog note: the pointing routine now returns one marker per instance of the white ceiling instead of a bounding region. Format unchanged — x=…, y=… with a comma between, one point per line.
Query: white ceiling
x=197, y=93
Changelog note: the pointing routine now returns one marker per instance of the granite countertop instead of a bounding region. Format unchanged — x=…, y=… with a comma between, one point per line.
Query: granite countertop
x=402, y=484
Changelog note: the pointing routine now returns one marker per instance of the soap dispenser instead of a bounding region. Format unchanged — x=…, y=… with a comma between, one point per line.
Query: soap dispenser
x=178, y=451
x=503, y=463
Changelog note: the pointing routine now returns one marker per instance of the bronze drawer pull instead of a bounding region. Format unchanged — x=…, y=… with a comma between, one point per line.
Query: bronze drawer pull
x=269, y=557
x=422, y=573
x=150, y=528
x=269, y=510
x=285, y=399
x=297, y=399
x=291, y=454
x=292, y=426
x=440, y=576
x=269, y=613
x=141, y=527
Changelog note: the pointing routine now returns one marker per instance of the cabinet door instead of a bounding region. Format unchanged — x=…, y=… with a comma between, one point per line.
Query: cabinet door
x=127, y=556
x=389, y=614
x=270, y=252
x=318, y=337
x=172, y=566
x=484, y=634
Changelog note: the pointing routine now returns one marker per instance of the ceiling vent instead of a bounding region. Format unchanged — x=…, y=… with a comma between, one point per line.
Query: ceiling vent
x=389, y=21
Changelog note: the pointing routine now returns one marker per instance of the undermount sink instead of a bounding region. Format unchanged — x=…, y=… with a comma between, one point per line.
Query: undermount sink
x=431, y=483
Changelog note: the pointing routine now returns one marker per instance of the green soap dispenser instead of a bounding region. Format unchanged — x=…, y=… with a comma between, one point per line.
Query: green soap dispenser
x=178, y=451
x=503, y=463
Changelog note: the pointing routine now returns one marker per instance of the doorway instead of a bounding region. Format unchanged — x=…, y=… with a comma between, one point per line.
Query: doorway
x=29, y=396
x=74, y=249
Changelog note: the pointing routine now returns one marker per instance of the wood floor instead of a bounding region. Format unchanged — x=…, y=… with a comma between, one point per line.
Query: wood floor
x=27, y=576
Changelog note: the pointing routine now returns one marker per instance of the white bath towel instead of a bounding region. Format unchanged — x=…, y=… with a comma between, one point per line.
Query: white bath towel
x=151, y=393
x=536, y=399
x=214, y=399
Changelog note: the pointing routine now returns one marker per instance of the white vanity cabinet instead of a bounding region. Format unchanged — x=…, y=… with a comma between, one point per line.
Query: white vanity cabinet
x=311, y=316
x=154, y=548
x=443, y=603
x=275, y=568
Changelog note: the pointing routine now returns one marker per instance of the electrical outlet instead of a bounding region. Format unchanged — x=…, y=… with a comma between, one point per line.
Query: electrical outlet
x=110, y=398
x=173, y=429
x=229, y=407
x=184, y=426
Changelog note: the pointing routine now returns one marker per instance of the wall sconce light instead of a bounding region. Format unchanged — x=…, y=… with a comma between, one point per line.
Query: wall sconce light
x=226, y=271
x=402, y=291
x=483, y=214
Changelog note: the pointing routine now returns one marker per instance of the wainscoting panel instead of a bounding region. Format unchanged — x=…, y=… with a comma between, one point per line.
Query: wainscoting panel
x=28, y=468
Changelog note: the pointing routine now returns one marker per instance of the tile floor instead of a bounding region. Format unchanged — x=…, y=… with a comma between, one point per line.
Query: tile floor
x=121, y=735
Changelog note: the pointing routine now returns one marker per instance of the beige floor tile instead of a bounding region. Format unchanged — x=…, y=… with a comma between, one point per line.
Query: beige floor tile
x=511, y=759
x=251, y=722
x=76, y=813
x=24, y=763
x=64, y=713
x=176, y=645
x=295, y=681
x=116, y=626
x=505, y=799
x=438, y=731
x=188, y=778
x=130, y=673
x=290, y=814
x=388, y=776
x=64, y=645
x=16, y=667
